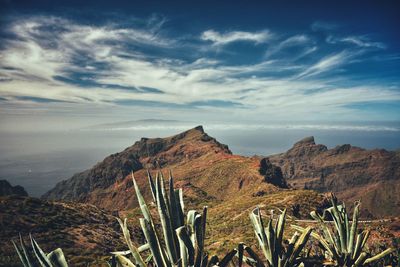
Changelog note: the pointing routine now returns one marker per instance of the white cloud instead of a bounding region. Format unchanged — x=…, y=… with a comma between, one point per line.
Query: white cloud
x=360, y=41
x=265, y=87
x=234, y=36
x=327, y=63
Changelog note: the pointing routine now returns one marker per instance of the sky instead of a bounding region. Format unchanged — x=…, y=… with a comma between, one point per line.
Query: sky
x=67, y=64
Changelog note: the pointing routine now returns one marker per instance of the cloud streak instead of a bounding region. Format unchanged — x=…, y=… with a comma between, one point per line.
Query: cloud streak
x=229, y=37
x=55, y=61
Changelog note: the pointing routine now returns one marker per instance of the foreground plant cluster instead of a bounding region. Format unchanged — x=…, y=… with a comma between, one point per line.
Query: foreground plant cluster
x=180, y=241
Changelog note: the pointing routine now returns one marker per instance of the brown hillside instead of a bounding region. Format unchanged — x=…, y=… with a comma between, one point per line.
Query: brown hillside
x=352, y=172
x=84, y=232
x=205, y=168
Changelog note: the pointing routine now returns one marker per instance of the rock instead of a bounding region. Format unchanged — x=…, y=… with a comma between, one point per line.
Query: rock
x=272, y=174
x=7, y=189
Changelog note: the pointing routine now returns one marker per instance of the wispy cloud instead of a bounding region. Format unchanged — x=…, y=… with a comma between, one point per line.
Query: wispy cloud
x=224, y=38
x=327, y=63
x=53, y=61
x=361, y=41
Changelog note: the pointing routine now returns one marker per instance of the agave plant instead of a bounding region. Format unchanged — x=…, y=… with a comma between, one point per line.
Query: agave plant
x=182, y=242
x=271, y=240
x=344, y=245
x=37, y=257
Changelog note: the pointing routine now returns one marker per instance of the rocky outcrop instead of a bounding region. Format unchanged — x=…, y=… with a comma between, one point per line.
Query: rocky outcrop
x=272, y=174
x=148, y=153
x=7, y=189
x=351, y=172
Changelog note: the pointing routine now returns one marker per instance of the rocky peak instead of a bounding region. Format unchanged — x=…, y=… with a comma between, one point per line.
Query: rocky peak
x=306, y=147
x=7, y=189
x=309, y=140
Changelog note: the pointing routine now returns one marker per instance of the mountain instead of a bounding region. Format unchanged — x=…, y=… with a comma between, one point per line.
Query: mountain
x=83, y=231
x=210, y=174
x=7, y=189
x=373, y=176
x=202, y=165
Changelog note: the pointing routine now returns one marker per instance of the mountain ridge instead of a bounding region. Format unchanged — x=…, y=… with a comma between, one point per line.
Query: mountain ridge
x=201, y=164
x=350, y=171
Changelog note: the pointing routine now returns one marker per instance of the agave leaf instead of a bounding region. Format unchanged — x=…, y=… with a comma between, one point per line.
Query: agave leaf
x=127, y=236
x=292, y=243
x=200, y=236
x=361, y=259
x=165, y=220
x=21, y=256
x=254, y=256
x=152, y=240
x=301, y=242
x=186, y=246
x=204, y=261
x=255, y=217
x=353, y=231
x=175, y=220
x=366, y=236
x=142, y=202
x=240, y=254
x=56, y=257
x=279, y=228
x=28, y=257
x=331, y=242
x=40, y=255
x=124, y=261
x=380, y=255
x=112, y=262
x=152, y=186
x=271, y=256
x=357, y=247
x=213, y=261
x=228, y=258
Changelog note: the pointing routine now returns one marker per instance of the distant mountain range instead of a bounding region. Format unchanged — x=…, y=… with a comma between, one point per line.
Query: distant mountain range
x=209, y=172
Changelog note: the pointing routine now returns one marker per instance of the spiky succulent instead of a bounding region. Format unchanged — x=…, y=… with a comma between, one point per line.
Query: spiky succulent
x=271, y=240
x=181, y=242
x=37, y=257
x=344, y=244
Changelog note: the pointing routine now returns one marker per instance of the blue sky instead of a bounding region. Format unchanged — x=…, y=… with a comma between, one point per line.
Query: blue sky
x=78, y=63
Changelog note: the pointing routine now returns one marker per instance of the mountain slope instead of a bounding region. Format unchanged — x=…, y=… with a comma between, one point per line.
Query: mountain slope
x=198, y=161
x=352, y=172
x=210, y=174
x=83, y=231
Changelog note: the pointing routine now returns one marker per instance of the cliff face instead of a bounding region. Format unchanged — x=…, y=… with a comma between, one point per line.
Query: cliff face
x=7, y=189
x=353, y=173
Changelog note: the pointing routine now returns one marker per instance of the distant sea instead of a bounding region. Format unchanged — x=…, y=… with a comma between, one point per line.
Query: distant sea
x=39, y=160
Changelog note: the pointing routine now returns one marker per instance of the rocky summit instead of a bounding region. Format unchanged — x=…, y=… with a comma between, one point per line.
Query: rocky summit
x=373, y=176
